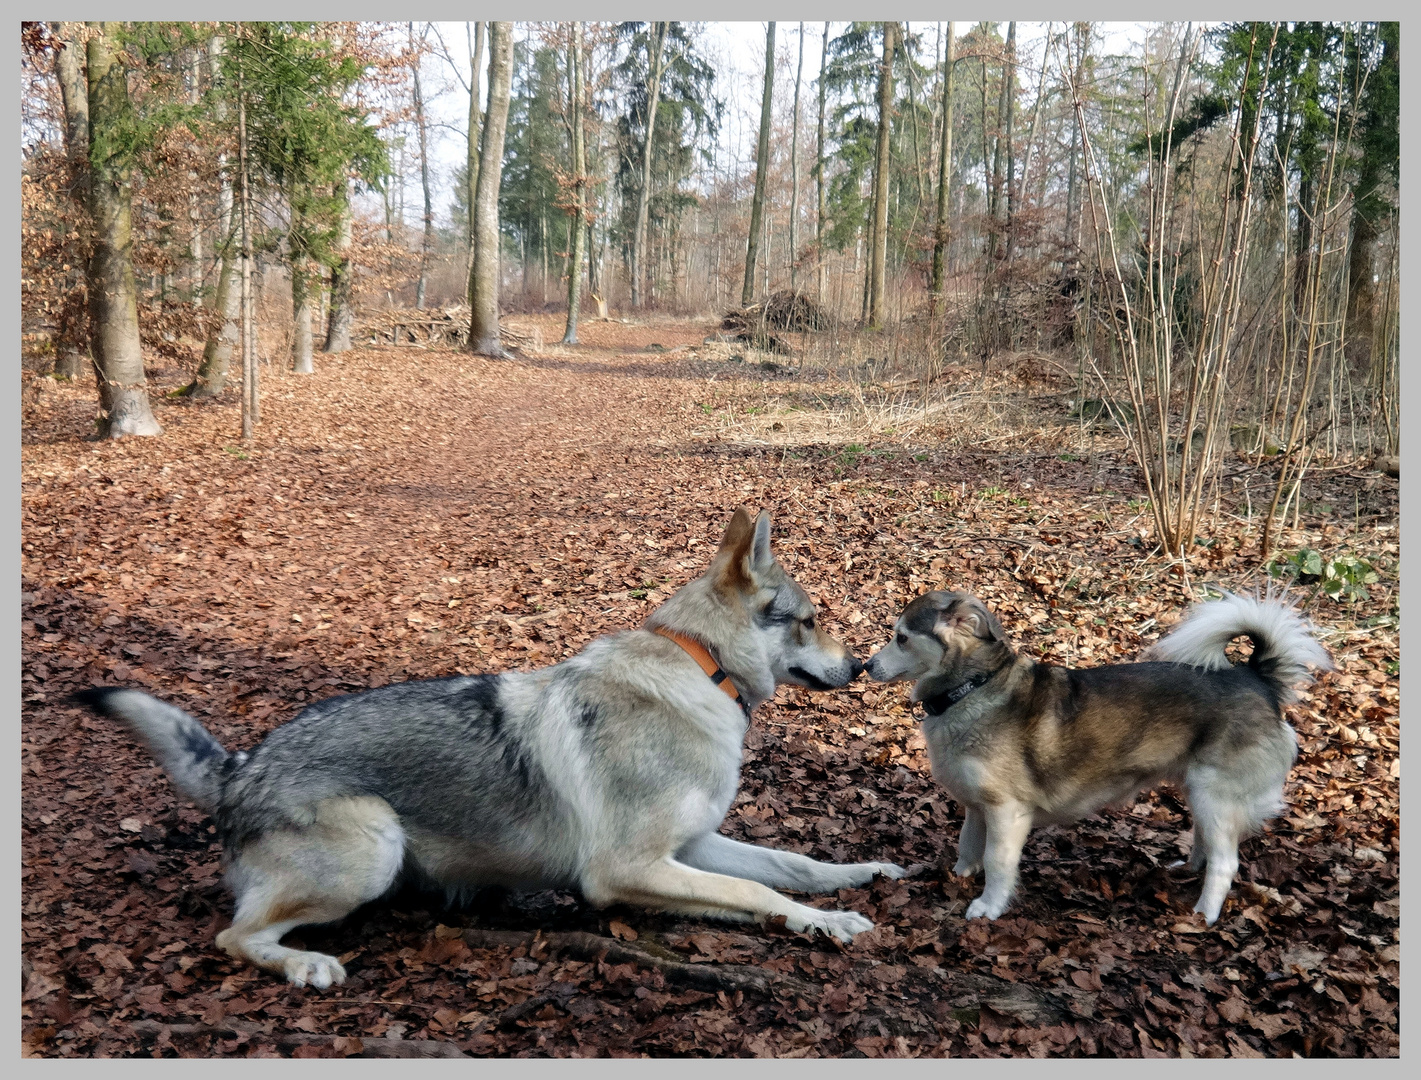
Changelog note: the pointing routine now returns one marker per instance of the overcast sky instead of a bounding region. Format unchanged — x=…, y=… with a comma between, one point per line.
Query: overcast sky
x=736, y=51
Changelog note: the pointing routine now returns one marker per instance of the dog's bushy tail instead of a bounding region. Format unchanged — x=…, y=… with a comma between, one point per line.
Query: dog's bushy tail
x=192, y=757
x=1283, y=645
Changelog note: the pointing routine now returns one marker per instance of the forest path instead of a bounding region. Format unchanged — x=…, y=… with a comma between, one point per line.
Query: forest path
x=410, y=513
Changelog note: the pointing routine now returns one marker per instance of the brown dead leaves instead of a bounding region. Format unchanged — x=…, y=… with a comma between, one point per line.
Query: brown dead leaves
x=411, y=514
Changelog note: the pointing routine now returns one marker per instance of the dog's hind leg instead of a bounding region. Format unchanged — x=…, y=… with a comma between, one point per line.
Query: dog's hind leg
x=1218, y=827
x=1007, y=826
x=1199, y=850
x=350, y=853
x=718, y=854
x=668, y=885
x=972, y=844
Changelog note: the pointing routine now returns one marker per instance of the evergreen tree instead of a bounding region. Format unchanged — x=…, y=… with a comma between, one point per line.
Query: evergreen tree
x=536, y=142
x=305, y=140
x=687, y=116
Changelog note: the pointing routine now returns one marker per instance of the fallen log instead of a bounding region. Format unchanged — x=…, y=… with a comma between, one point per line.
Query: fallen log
x=592, y=947
x=1027, y=1004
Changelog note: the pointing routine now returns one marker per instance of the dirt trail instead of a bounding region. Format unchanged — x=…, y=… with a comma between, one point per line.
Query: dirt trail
x=409, y=513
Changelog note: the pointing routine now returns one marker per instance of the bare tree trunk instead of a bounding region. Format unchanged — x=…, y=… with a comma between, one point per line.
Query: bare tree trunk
x=819, y=175
x=113, y=295
x=476, y=65
x=794, y=172
x=72, y=339
x=994, y=195
x=1009, y=96
x=1035, y=120
x=301, y=344
x=250, y=394
x=428, y=239
x=879, y=253
x=653, y=99
x=944, y=180
x=342, y=312
x=211, y=377
x=194, y=214
x=762, y=168
x=579, y=188
x=1072, y=199
x=484, y=276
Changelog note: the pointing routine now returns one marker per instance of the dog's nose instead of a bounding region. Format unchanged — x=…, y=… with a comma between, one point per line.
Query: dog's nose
x=856, y=667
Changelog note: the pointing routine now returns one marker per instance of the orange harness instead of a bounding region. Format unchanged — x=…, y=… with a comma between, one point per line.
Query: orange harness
x=701, y=655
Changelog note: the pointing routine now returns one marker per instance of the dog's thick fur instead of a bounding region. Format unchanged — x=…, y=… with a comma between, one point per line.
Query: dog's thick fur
x=608, y=773
x=1019, y=743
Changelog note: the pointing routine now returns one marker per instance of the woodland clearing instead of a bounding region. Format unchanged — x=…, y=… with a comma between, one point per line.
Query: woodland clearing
x=414, y=512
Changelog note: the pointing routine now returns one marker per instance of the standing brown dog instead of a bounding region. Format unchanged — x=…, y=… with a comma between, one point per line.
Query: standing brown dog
x=1019, y=743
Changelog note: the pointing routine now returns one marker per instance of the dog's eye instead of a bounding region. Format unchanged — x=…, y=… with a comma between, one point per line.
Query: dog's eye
x=808, y=623
x=902, y=639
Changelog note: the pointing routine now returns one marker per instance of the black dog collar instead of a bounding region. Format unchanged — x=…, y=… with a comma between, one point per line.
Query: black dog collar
x=940, y=703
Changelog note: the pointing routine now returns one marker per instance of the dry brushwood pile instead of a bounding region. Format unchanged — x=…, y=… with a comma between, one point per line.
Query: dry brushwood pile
x=785, y=310
x=413, y=513
x=432, y=326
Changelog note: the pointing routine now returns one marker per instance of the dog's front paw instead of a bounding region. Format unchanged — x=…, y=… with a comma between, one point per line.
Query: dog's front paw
x=982, y=908
x=844, y=924
x=1209, y=911
x=838, y=924
x=967, y=868
x=313, y=969
x=887, y=869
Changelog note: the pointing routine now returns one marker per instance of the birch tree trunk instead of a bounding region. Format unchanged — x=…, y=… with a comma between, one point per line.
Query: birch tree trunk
x=879, y=257
x=484, y=275
x=794, y=172
x=579, y=188
x=762, y=168
x=653, y=98
x=819, y=175
x=113, y=294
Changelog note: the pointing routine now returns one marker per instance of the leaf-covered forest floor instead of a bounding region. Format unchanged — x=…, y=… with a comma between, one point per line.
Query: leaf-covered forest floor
x=408, y=513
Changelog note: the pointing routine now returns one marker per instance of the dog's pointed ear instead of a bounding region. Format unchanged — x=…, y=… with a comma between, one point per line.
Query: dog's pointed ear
x=761, y=558
x=735, y=554
x=738, y=534
x=969, y=616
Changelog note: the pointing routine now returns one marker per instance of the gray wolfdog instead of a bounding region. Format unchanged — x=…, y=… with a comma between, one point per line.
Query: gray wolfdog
x=608, y=773
x=1019, y=743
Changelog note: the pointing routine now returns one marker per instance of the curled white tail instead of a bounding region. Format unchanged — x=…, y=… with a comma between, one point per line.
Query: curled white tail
x=1283, y=645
